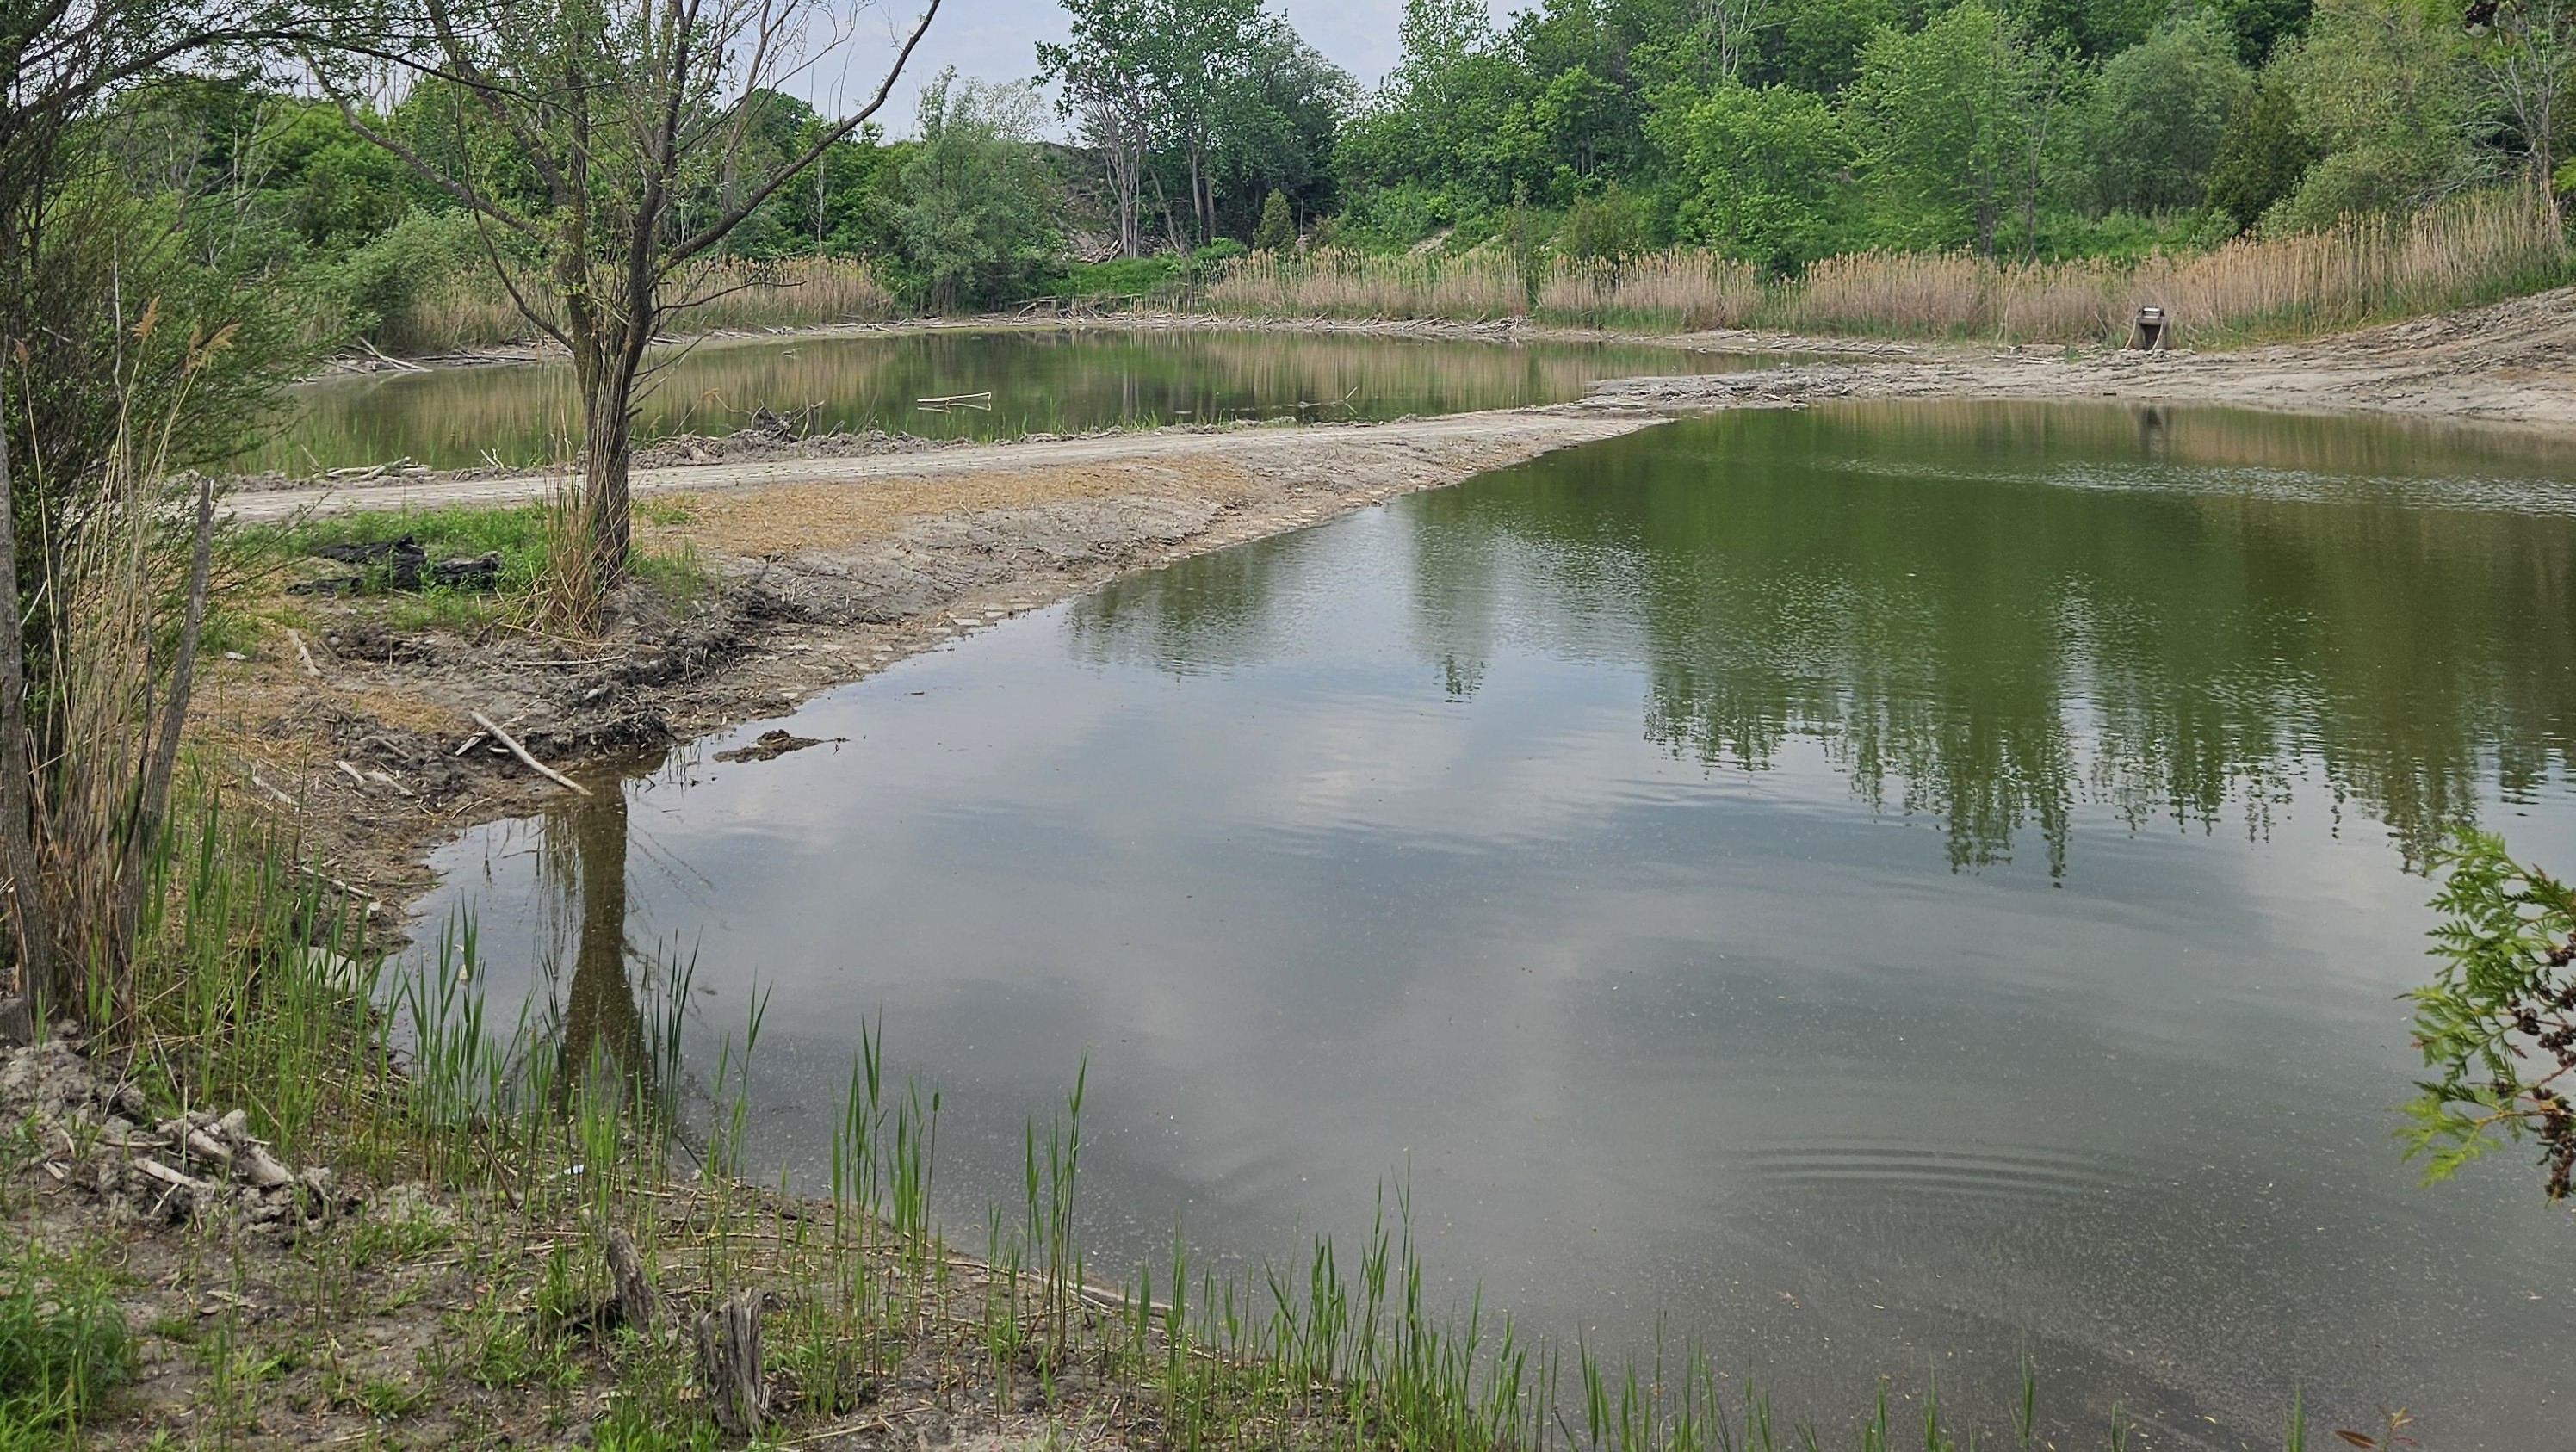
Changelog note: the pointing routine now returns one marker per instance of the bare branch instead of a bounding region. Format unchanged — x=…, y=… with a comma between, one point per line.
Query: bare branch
x=731, y=217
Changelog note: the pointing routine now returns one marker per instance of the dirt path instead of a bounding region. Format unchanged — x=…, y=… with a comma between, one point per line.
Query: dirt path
x=1324, y=451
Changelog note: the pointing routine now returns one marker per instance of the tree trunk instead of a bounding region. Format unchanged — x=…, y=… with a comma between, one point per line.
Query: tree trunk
x=1171, y=224
x=1198, y=195
x=627, y=1278
x=607, y=351
x=729, y=1364
x=607, y=454
x=27, y=906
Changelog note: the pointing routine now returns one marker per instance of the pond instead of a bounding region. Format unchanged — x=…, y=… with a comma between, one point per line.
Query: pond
x=1048, y=380
x=1877, y=889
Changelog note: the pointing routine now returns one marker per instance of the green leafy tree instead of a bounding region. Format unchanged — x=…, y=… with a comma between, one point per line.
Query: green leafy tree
x=1278, y=230
x=1603, y=229
x=2158, y=114
x=2385, y=91
x=975, y=211
x=1101, y=72
x=1955, y=122
x=341, y=189
x=2524, y=52
x=1216, y=100
x=1759, y=171
x=2263, y=155
x=1524, y=241
x=1449, y=123
x=2091, y=29
x=1818, y=44
x=2497, y=1025
x=1195, y=55
x=1277, y=126
x=2261, y=27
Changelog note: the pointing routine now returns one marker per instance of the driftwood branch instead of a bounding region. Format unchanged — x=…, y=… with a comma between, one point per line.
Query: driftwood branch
x=521, y=752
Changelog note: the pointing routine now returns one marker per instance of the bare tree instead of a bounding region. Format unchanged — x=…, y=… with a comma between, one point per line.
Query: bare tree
x=2526, y=53
x=1728, y=31
x=1101, y=67
x=1107, y=103
x=608, y=144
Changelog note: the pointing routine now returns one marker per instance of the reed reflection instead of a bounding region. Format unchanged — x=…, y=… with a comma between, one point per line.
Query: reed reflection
x=1038, y=382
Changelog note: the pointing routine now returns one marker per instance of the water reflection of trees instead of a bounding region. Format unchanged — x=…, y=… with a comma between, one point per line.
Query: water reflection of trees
x=615, y=1005
x=1974, y=626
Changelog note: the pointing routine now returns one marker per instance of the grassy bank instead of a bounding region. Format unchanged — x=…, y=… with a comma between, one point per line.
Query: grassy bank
x=2475, y=250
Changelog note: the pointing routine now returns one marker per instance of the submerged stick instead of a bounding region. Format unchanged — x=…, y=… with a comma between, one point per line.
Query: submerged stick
x=521, y=752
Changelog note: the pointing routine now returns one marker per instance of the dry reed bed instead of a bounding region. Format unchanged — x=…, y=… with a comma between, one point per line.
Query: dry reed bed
x=2473, y=250
x=471, y=310
x=1674, y=289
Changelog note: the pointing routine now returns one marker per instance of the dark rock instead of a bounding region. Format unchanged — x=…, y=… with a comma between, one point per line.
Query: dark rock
x=769, y=746
x=401, y=564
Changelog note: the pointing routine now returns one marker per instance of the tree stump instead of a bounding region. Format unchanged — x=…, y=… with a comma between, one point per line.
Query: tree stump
x=729, y=1364
x=626, y=1276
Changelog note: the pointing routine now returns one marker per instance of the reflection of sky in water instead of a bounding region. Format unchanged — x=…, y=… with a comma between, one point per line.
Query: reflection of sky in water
x=1345, y=855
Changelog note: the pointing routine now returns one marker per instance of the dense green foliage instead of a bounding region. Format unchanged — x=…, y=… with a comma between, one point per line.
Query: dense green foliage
x=1780, y=132
x=1770, y=132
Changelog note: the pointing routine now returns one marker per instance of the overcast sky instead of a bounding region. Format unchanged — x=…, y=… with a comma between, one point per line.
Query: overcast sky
x=997, y=40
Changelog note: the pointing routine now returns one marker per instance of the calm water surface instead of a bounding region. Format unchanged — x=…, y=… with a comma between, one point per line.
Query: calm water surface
x=1876, y=888
x=1044, y=381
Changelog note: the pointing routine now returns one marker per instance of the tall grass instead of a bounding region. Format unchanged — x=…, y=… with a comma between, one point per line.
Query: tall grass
x=1677, y=289
x=470, y=309
x=124, y=600
x=2471, y=250
x=63, y=1343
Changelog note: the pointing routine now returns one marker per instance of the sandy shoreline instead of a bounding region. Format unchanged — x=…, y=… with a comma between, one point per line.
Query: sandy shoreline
x=836, y=564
